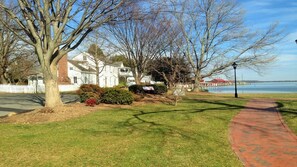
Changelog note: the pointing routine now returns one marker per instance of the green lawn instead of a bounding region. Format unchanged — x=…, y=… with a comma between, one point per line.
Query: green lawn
x=288, y=109
x=195, y=133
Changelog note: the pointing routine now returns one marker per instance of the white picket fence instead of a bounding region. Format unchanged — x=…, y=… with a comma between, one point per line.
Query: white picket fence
x=34, y=89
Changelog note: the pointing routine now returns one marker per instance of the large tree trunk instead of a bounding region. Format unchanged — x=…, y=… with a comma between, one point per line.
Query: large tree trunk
x=3, y=80
x=52, y=93
x=137, y=79
x=136, y=76
x=197, y=87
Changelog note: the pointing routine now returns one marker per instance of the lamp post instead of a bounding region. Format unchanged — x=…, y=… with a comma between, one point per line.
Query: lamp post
x=296, y=41
x=234, y=65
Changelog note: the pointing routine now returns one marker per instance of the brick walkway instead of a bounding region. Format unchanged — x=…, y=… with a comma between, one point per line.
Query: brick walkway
x=260, y=138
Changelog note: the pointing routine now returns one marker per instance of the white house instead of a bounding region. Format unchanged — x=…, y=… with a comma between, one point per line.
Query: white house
x=81, y=70
x=127, y=73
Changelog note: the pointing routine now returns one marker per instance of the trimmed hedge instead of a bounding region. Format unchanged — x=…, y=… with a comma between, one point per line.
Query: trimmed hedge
x=158, y=89
x=116, y=96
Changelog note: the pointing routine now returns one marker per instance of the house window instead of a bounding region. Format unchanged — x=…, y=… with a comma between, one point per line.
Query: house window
x=86, y=79
x=124, y=70
x=71, y=68
x=75, y=79
x=84, y=57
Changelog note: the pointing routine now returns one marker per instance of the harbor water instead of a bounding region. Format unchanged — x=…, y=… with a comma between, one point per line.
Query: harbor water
x=258, y=87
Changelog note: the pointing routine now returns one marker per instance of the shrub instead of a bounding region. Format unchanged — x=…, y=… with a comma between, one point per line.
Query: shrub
x=116, y=96
x=86, y=88
x=138, y=89
x=96, y=89
x=160, y=89
x=91, y=102
x=87, y=95
x=87, y=91
x=120, y=86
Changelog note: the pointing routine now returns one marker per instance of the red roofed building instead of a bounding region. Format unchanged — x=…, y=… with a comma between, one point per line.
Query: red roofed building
x=219, y=80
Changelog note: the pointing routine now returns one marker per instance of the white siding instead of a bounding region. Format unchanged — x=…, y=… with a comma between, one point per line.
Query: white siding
x=75, y=72
x=108, y=76
x=34, y=88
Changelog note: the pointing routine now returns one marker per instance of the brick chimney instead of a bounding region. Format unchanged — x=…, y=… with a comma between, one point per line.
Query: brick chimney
x=63, y=71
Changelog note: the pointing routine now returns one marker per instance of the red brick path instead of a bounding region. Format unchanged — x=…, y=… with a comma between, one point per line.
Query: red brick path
x=259, y=136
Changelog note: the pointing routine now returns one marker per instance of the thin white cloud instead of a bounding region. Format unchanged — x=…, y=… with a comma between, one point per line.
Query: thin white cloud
x=259, y=15
x=287, y=58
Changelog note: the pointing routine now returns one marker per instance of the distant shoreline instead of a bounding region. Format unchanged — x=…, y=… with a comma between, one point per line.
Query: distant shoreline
x=259, y=87
x=253, y=81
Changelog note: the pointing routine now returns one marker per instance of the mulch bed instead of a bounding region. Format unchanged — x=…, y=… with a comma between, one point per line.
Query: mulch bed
x=74, y=110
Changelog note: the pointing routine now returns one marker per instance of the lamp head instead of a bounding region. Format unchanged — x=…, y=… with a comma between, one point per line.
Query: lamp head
x=234, y=65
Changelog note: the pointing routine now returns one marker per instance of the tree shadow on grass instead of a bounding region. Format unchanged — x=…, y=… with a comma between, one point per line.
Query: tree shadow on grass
x=144, y=121
x=284, y=110
x=234, y=106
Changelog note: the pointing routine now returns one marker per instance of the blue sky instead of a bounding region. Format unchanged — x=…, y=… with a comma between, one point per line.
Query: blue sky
x=259, y=15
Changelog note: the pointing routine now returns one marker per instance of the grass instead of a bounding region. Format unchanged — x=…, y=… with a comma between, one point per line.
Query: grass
x=288, y=109
x=195, y=133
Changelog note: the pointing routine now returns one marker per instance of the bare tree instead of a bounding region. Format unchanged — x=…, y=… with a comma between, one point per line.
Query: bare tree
x=215, y=37
x=22, y=66
x=16, y=58
x=140, y=39
x=97, y=56
x=57, y=27
x=8, y=44
x=172, y=67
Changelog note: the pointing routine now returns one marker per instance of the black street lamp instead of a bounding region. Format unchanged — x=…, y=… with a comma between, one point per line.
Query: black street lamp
x=296, y=41
x=234, y=67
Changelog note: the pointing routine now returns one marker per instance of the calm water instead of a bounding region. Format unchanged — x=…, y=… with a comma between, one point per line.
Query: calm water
x=263, y=87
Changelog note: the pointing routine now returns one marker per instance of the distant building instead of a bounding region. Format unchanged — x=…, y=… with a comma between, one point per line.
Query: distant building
x=218, y=80
x=80, y=69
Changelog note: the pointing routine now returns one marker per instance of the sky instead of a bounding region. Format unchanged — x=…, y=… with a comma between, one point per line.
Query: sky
x=259, y=14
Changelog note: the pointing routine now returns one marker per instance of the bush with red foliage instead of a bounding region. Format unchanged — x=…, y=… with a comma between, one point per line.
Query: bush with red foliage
x=91, y=102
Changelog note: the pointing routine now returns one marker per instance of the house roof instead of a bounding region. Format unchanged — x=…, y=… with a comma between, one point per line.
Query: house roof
x=218, y=80
x=117, y=64
x=78, y=65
